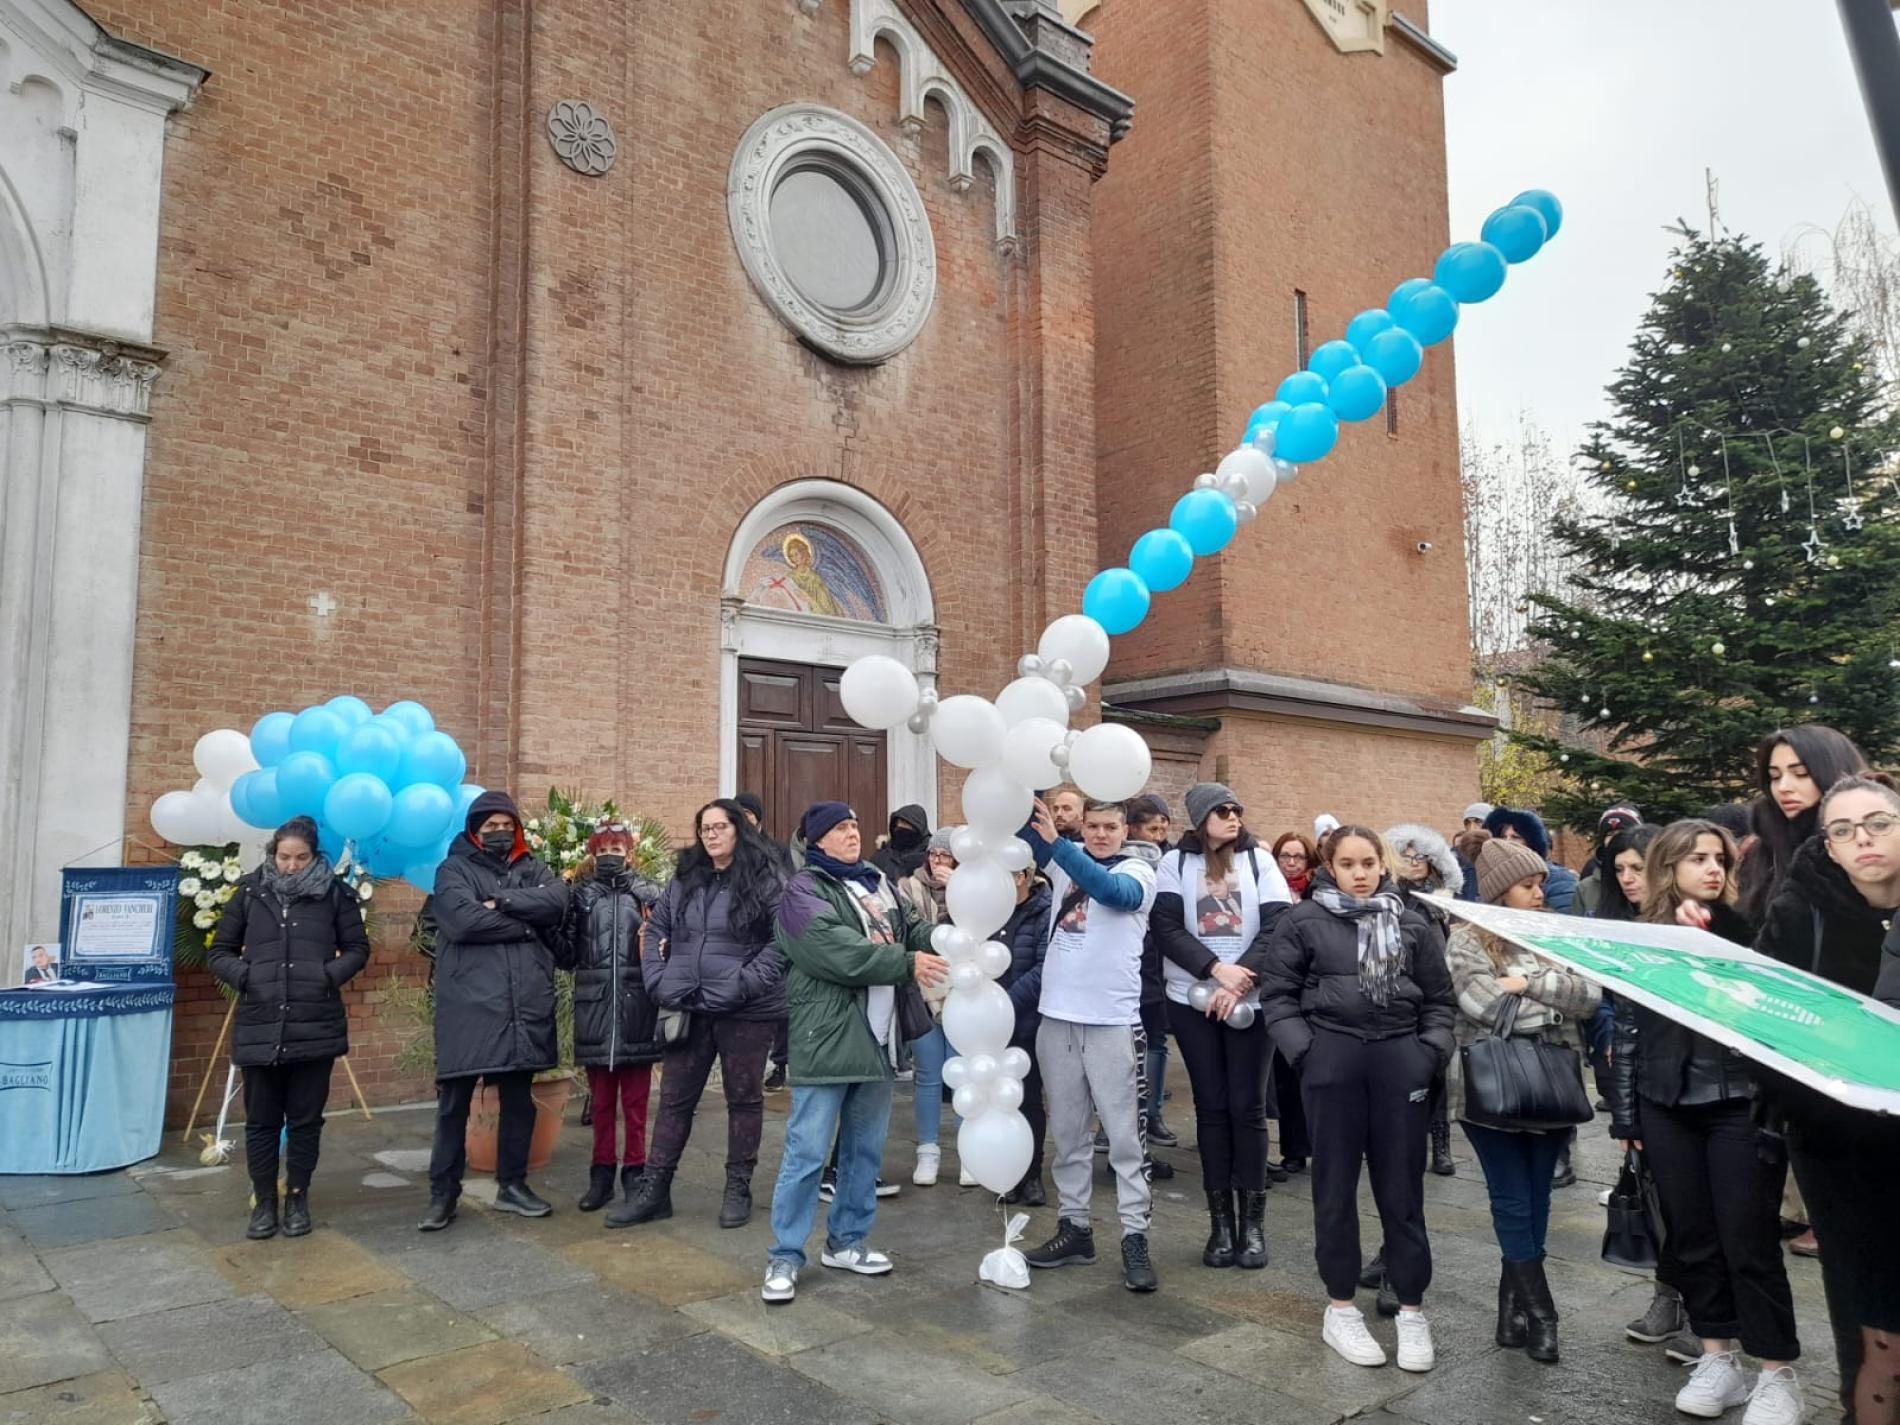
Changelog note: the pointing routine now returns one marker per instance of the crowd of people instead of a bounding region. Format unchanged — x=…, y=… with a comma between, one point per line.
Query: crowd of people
x=1322, y=984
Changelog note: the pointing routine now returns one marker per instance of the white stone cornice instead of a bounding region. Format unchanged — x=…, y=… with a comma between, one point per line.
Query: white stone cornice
x=90, y=59
x=71, y=370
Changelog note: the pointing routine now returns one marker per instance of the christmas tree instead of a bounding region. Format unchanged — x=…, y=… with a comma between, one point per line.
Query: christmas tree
x=1739, y=569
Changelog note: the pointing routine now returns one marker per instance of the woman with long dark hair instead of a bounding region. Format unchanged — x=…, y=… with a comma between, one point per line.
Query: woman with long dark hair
x=1793, y=767
x=708, y=951
x=1624, y=886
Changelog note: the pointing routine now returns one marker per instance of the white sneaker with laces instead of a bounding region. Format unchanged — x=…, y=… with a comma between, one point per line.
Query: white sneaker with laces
x=929, y=1162
x=965, y=1178
x=1776, y=1400
x=1415, y=1342
x=1345, y=1331
x=781, y=1281
x=1715, y=1386
x=860, y=1259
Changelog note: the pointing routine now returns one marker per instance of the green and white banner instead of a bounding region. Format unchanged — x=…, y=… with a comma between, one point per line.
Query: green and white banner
x=1841, y=1043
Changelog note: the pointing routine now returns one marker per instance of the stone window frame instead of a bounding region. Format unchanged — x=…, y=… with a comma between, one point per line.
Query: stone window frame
x=805, y=135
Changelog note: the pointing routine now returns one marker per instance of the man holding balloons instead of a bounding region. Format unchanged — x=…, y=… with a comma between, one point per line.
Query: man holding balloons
x=1090, y=1047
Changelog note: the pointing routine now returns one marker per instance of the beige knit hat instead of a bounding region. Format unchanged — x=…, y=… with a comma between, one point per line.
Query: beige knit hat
x=1502, y=864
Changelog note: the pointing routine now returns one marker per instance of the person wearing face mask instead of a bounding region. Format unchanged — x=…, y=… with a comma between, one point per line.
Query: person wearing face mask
x=616, y=1027
x=496, y=910
x=288, y=944
x=905, y=845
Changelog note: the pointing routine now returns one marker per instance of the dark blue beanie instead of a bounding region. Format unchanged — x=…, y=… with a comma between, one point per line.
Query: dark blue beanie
x=820, y=818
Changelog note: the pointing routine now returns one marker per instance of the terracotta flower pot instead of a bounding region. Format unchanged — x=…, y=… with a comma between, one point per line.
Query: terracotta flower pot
x=484, y=1124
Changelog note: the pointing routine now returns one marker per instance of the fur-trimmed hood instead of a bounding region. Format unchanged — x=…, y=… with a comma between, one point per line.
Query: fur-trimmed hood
x=1451, y=876
x=1527, y=824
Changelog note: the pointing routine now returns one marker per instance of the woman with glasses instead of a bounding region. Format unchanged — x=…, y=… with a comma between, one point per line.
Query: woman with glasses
x=1835, y=908
x=1297, y=857
x=1217, y=900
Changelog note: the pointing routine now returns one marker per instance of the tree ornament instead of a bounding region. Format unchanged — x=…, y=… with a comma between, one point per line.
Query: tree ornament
x=1648, y=657
x=1770, y=601
x=1694, y=470
x=1603, y=712
x=1803, y=344
x=1748, y=564
x=1604, y=466
x=1837, y=434
x=1563, y=756
x=1718, y=648
x=1834, y=561
x=1814, y=697
x=1629, y=485
x=1726, y=348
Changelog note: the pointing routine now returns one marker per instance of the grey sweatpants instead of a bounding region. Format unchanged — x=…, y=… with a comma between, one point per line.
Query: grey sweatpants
x=1099, y=1070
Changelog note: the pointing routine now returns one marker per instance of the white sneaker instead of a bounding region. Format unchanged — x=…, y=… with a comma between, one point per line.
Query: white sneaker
x=929, y=1161
x=1716, y=1385
x=860, y=1259
x=965, y=1178
x=1345, y=1331
x=1415, y=1342
x=1776, y=1400
x=781, y=1281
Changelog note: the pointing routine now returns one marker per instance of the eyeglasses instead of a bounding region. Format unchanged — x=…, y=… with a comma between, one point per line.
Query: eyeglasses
x=1878, y=824
x=1225, y=809
x=1411, y=855
x=1296, y=855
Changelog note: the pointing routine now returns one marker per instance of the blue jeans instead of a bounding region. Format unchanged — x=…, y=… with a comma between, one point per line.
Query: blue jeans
x=1517, y=1169
x=860, y=1116
x=929, y=1054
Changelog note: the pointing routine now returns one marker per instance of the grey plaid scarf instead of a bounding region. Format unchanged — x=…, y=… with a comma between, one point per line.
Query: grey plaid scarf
x=312, y=882
x=1381, y=949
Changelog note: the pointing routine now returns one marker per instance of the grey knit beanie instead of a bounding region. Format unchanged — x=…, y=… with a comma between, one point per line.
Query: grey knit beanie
x=940, y=839
x=1203, y=797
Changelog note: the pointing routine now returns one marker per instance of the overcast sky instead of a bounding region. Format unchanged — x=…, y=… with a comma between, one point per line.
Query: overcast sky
x=1617, y=106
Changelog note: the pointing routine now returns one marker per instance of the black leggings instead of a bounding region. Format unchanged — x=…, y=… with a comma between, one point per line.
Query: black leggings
x=1228, y=1071
x=1289, y=1110
x=279, y=1097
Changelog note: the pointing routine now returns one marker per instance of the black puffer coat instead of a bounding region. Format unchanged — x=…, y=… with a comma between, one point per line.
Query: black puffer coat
x=1026, y=932
x=615, y=1020
x=1311, y=981
x=289, y=964
x=697, y=960
x=494, y=974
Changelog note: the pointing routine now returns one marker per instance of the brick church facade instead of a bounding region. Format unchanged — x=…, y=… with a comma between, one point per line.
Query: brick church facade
x=607, y=377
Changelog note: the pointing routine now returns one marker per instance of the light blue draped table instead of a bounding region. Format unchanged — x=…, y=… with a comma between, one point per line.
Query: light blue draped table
x=82, y=1077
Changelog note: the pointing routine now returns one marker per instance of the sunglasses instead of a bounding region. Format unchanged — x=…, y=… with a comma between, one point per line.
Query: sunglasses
x=1225, y=809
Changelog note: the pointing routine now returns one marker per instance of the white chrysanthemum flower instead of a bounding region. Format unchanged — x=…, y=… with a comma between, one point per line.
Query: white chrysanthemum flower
x=204, y=900
x=191, y=860
x=534, y=823
x=190, y=886
x=366, y=891
x=225, y=893
x=233, y=868
x=204, y=920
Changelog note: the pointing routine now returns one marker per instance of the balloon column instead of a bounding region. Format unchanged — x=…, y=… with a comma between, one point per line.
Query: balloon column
x=387, y=785
x=1021, y=741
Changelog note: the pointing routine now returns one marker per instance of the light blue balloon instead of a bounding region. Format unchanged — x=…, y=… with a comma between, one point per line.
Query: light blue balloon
x=1403, y=294
x=1116, y=599
x=1307, y=433
x=371, y=748
x=1162, y=559
x=1368, y=324
x=270, y=738
x=359, y=806
x=1429, y=314
x=303, y=780
x=263, y=803
x=1547, y=206
x=1332, y=358
x=394, y=726
x=418, y=816
x=1301, y=387
x=1206, y=518
x=433, y=757
x=1470, y=271
x=241, y=797
x=382, y=858
x=1395, y=355
x=422, y=875
x=1518, y=232
x=1358, y=394
x=464, y=799
x=331, y=842
x=1264, y=418
x=353, y=710
x=316, y=730
x=411, y=715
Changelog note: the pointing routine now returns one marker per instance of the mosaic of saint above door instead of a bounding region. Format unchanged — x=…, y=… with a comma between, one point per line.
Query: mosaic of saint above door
x=813, y=569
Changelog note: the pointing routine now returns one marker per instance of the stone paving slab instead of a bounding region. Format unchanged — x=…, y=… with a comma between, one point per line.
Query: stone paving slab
x=1299, y=1366
x=1041, y=1410
x=308, y=1271
x=487, y=1384
x=772, y=1330
x=318, y=1388
x=106, y=1398
x=472, y=1274
x=21, y=1190
x=197, y=1340
x=109, y=1281
x=1146, y=1386
x=708, y=1378
x=65, y=1224
x=659, y=1267
x=389, y=1327
x=902, y=1381
x=43, y=1339
x=20, y=1271
x=587, y=1321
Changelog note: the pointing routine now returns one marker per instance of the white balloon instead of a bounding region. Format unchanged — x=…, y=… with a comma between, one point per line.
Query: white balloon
x=995, y=803
x=1200, y=995
x=968, y=731
x=1254, y=466
x=1266, y=441
x=995, y=1149
x=1014, y=855
x=981, y=1068
x=967, y=843
x=1081, y=642
x=953, y=942
x=1284, y=472
x=1015, y=1062
x=1032, y=697
x=1006, y=1093
x=970, y=1100
x=187, y=820
x=992, y=959
x=1241, y=1017
x=1027, y=747
x=954, y=1072
x=1110, y=762
x=231, y=826
x=966, y=975
x=878, y=692
x=223, y=756
x=981, y=895
x=979, y=1021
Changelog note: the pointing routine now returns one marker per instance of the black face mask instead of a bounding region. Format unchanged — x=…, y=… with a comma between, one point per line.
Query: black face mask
x=608, y=867
x=498, y=843
x=906, y=837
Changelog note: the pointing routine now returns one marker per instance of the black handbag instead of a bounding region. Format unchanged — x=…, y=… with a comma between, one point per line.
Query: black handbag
x=1632, y=1234
x=1525, y=1084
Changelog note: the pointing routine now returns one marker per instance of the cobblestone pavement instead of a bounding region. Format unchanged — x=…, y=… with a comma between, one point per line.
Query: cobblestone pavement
x=134, y=1297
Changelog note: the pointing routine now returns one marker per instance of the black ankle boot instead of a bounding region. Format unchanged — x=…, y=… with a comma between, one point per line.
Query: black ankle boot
x=1513, y=1327
x=735, y=1209
x=1373, y=1272
x=297, y=1212
x=1253, y=1231
x=1564, y=1175
x=264, y=1215
x=600, y=1188
x=1388, y=1300
x=1533, y=1290
x=1219, y=1251
x=650, y=1199
x=1442, y=1164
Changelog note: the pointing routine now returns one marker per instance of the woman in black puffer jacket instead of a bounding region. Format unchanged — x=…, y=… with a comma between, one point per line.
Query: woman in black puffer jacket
x=616, y=1027
x=287, y=944
x=1027, y=935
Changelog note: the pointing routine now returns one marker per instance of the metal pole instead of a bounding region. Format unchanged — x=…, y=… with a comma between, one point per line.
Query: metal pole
x=1875, y=45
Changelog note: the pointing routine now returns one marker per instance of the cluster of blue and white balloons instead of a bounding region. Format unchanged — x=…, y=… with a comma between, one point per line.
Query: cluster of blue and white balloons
x=385, y=785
